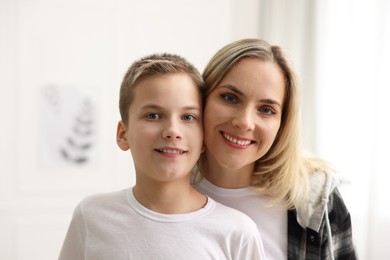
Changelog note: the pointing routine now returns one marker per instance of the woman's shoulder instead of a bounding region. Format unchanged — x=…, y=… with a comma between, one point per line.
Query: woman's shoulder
x=337, y=208
x=322, y=185
x=325, y=186
x=232, y=216
x=322, y=182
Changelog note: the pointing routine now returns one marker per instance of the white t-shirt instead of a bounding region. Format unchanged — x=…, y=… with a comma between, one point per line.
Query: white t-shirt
x=116, y=226
x=271, y=221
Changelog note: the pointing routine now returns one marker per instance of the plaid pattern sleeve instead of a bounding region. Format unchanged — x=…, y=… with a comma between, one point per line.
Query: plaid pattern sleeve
x=311, y=245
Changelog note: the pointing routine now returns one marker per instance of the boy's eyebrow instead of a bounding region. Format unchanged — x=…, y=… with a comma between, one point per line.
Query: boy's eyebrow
x=239, y=92
x=154, y=106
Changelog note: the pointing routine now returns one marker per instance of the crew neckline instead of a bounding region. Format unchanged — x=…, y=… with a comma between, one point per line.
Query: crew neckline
x=171, y=218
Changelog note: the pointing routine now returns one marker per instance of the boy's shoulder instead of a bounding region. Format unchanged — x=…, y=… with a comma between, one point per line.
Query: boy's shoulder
x=108, y=201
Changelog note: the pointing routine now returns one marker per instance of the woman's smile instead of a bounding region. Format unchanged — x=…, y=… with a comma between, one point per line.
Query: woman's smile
x=236, y=141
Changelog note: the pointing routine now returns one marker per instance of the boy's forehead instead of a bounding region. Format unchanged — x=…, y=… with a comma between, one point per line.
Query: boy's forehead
x=164, y=87
x=176, y=79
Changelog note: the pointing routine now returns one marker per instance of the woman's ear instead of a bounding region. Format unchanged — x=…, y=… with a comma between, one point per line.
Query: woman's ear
x=203, y=147
x=121, y=137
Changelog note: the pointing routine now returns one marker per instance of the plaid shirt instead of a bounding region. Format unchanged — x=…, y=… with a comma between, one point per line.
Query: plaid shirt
x=311, y=245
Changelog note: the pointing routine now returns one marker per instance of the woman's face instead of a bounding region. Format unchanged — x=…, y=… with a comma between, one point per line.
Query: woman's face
x=243, y=113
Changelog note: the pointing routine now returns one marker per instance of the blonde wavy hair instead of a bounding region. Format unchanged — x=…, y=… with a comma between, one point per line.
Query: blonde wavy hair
x=283, y=171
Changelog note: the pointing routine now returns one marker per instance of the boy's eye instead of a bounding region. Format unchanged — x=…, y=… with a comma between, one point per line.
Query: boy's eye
x=229, y=98
x=153, y=116
x=189, y=117
x=267, y=110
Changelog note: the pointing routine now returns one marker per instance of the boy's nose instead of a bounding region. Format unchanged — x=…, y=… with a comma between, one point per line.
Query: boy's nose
x=172, y=131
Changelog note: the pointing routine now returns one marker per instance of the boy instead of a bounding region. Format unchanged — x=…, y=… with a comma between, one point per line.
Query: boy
x=162, y=216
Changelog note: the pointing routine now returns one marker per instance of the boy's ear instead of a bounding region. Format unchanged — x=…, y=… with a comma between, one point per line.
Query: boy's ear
x=121, y=138
x=203, y=147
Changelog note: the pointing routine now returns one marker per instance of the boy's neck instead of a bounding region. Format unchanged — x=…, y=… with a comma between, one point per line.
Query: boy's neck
x=169, y=198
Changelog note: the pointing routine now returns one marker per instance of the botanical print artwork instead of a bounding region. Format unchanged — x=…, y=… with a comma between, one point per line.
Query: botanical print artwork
x=69, y=126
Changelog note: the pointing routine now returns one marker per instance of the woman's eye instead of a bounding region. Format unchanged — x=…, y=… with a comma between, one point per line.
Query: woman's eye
x=229, y=98
x=153, y=116
x=267, y=110
x=189, y=117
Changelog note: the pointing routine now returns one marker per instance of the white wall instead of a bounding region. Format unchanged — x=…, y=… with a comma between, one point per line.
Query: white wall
x=53, y=55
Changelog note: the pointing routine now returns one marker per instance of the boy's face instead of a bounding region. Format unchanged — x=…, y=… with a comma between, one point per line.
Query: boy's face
x=164, y=131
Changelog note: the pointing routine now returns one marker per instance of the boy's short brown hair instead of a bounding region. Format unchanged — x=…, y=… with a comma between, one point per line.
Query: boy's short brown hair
x=149, y=66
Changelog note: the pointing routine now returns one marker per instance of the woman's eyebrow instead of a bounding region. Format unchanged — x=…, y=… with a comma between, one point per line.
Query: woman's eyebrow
x=271, y=102
x=232, y=88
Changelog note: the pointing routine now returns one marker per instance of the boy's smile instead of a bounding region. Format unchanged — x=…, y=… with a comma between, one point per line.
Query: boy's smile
x=170, y=152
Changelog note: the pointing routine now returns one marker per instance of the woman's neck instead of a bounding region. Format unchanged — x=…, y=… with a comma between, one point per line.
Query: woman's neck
x=225, y=177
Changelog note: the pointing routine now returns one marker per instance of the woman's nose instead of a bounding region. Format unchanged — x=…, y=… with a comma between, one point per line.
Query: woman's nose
x=244, y=119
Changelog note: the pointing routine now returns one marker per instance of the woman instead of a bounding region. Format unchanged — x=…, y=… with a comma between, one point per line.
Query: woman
x=254, y=161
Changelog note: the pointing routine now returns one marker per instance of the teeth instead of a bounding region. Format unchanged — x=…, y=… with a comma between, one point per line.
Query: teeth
x=169, y=151
x=234, y=140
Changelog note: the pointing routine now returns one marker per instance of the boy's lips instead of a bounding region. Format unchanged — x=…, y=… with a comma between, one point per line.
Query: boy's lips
x=170, y=150
x=236, y=140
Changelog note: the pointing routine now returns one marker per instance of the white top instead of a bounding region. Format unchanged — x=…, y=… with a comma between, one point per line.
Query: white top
x=116, y=226
x=271, y=221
